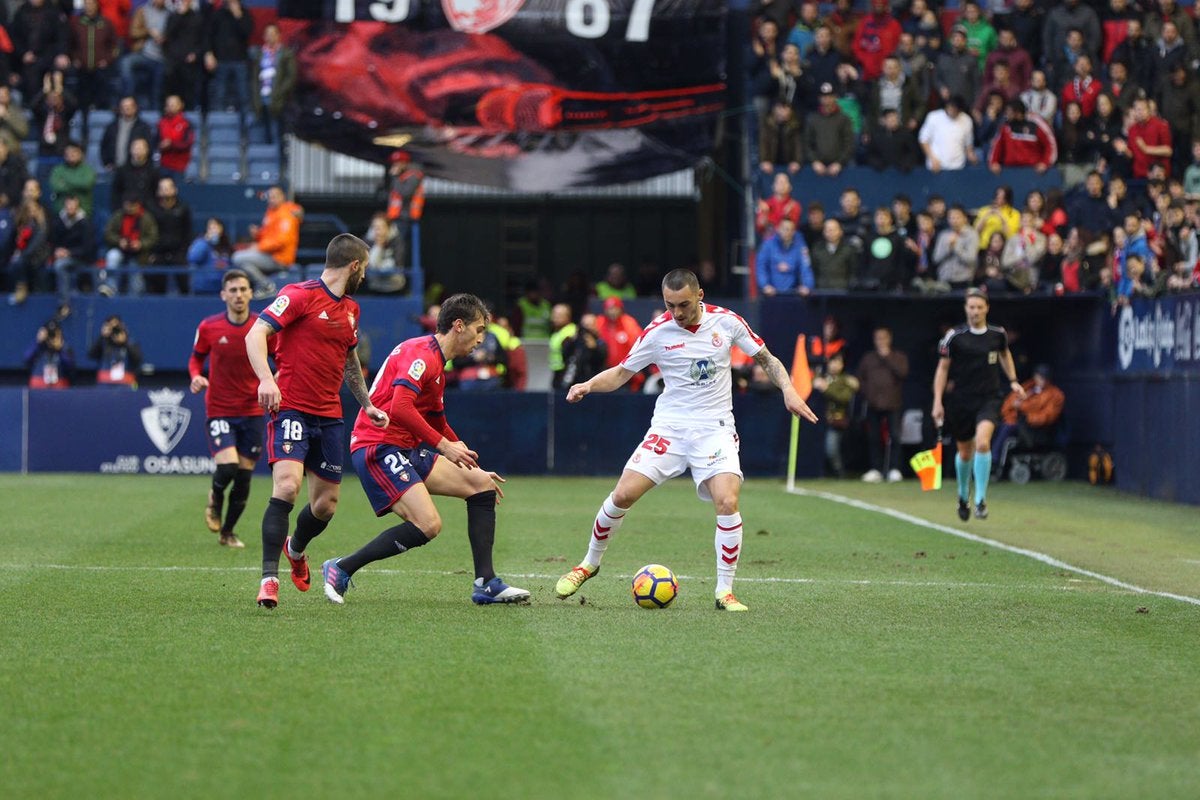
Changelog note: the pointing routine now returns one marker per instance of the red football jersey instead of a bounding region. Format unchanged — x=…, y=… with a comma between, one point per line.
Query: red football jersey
x=413, y=375
x=232, y=384
x=316, y=331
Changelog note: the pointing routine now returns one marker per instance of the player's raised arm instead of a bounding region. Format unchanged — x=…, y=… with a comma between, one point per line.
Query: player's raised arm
x=610, y=380
x=778, y=375
x=358, y=387
x=256, y=351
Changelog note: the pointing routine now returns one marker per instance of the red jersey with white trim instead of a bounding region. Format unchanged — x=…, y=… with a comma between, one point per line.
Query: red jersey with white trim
x=232, y=385
x=698, y=387
x=410, y=387
x=316, y=330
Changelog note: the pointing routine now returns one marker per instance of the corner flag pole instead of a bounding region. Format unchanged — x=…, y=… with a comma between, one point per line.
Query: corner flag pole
x=802, y=383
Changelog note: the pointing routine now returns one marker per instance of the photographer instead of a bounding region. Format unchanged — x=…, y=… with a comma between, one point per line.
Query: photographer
x=118, y=357
x=584, y=355
x=49, y=359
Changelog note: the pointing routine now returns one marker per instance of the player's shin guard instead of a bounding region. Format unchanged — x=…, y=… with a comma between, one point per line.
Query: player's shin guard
x=608, y=522
x=274, y=532
x=392, y=542
x=983, y=471
x=729, y=549
x=962, y=473
x=237, y=499
x=308, y=527
x=481, y=530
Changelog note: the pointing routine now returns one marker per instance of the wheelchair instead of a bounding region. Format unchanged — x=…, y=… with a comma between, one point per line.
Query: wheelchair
x=1034, y=452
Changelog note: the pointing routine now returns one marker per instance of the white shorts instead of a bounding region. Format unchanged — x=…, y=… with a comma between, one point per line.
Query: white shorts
x=666, y=451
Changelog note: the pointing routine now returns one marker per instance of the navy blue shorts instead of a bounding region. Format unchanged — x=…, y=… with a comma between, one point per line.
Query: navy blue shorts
x=316, y=442
x=387, y=472
x=244, y=433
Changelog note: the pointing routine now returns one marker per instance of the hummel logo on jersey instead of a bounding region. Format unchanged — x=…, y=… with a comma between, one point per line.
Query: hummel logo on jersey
x=323, y=315
x=222, y=340
x=675, y=346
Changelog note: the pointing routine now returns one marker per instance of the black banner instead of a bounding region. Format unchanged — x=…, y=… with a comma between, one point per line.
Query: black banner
x=533, y=95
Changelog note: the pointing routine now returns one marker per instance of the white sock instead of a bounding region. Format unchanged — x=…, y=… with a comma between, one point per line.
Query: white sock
x=729, y=549
x=264, y=580
x=608, y=521
x=292, y=553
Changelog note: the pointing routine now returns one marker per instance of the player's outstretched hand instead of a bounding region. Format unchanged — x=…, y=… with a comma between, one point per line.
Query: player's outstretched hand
x=497, y=480
x=268, y=395
x=199, y=384
x=577, y=392
x=378, y=416
x=459, y=454
x=800, y=408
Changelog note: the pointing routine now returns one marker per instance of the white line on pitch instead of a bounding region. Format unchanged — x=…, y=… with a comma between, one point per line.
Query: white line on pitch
x=1022, y=551
x=540, y=576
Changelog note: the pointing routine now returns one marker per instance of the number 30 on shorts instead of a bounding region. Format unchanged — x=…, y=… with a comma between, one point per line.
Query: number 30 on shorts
x=218, y=427
x=656, y=444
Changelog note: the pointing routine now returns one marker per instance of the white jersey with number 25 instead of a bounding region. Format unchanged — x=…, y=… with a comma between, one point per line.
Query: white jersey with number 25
x=698, y=387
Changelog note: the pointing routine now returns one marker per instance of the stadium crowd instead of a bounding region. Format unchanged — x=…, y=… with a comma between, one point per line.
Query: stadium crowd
x=1104, y=93
x=113, y=218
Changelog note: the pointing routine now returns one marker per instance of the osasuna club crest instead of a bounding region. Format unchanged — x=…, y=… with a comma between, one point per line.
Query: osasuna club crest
x=479, y=16
x=165, y=420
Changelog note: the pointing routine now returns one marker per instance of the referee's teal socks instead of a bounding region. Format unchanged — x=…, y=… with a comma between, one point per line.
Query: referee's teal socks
x=983, y=471
x=962, y=472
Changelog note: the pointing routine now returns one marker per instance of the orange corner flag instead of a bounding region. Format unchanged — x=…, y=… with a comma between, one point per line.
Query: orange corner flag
x=801, y=374
x=928, y=466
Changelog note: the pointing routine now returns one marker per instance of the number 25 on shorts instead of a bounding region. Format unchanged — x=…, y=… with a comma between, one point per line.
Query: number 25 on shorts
x=656, y=444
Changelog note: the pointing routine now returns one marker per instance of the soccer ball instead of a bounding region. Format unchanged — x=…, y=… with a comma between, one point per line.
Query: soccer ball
x=654, y=586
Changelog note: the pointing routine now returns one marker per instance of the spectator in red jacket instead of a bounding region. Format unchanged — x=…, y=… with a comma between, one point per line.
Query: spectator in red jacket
x=778, y=206
x=875, y=38
x=619, y=331
x=1083, y=88
x=1149, y=140
x=1025, y=140
x=175, y=137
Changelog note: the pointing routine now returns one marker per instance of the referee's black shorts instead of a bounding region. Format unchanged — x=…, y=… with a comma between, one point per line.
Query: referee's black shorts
x=963, y=414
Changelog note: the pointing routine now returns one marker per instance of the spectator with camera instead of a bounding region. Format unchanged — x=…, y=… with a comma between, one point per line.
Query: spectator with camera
x=49, y=359
x=117, y=355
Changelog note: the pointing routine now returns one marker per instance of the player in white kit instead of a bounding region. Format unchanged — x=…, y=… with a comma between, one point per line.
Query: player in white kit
x=692, y=427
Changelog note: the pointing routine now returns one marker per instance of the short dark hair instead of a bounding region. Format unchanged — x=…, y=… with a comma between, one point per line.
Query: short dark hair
x=344, y=248
x=974, y=291
x=679, y=279
x=233, y=275
x=466, y=307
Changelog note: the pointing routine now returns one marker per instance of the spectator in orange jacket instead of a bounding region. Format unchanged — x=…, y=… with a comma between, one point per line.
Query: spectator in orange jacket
x=1039, y=411
x=276, y=242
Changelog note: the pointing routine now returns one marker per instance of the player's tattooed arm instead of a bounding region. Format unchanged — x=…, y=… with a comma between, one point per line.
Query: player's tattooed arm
x=778, y=376
x=353, y=376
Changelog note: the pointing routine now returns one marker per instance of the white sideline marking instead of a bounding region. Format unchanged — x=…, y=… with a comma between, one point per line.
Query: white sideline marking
x=1021, y=551
x=540, y=576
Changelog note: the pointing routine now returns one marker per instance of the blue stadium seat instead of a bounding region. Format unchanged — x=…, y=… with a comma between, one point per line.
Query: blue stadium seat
x=100, y=119
x=224, y=135
x=222, y=151
x=193, y=169
x=264, y=170
x=75, y=130
x=151, y=118
x=262, y=152
x=30, y=151
x=224, y=119
x=224, y=171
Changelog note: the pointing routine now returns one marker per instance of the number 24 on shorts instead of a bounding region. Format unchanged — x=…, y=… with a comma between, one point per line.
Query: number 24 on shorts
x=656, y=444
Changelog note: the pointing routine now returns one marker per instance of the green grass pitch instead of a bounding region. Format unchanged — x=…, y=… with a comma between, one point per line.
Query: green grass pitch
x=880, y=658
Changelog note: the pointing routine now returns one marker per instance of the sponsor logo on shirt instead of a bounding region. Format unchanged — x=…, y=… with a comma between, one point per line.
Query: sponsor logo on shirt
x=675, y=346
x=701, y=370
x=222, y=340
x=417, y=369
x=323, y=315
x=716, y=339
x=280, y=305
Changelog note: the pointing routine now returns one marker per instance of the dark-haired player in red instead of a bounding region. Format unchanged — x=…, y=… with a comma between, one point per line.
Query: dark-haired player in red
x=399, y=465
x=317, y=325
x=235, y=420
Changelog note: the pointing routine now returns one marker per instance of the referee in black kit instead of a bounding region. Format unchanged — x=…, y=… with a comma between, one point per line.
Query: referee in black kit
x=971, y=359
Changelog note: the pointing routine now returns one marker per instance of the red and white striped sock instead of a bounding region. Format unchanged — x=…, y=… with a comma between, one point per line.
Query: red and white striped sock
x=608, y=521
x=729, y=549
